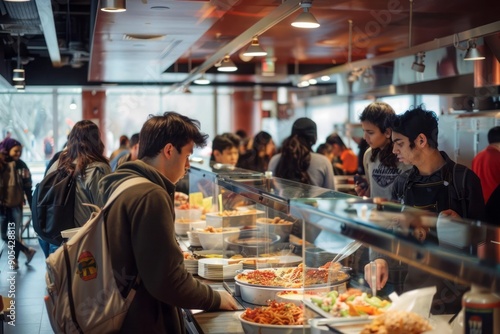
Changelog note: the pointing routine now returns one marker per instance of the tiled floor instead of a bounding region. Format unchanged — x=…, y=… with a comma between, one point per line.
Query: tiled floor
x=29, y=284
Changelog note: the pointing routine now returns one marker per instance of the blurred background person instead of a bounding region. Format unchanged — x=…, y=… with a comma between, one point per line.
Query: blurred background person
x=326, y=150
x=244, y=141
x=15, y=188
x=225, y=149
x=257, y=158
x=126, y=155
x=486, y=163
x=124, y=145
x=346, y=161
x=297, y=161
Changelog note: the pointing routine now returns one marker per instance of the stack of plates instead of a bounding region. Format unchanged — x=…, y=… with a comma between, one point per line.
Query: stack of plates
x=217, y=269
x=191, y=266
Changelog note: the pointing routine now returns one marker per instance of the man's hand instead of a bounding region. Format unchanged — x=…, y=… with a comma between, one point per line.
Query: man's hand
x=382, y=273
x=449, y=213
x=227, y=302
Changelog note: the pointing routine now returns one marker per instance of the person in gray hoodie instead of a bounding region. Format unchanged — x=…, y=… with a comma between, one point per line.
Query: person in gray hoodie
x=140, y=230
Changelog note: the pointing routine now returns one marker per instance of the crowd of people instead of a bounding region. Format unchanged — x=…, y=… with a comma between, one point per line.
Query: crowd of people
x=402, y=163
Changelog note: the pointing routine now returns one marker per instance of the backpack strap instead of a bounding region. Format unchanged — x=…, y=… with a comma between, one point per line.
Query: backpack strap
x=124, y=185
x=70, y=290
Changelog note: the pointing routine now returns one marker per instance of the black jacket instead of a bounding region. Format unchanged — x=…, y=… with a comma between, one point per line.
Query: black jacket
x=473, y=197
x=464, y=184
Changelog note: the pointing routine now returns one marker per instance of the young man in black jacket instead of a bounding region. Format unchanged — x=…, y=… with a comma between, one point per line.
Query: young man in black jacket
x=439, y=185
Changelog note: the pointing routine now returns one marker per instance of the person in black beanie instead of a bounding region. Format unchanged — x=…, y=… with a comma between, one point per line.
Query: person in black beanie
x=297, y=162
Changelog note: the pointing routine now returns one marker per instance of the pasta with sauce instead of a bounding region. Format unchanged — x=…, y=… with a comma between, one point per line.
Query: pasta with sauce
x=276, y=314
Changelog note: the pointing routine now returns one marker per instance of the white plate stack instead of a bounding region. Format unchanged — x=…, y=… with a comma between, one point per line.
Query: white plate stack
x=217, y=269
x=191, y=266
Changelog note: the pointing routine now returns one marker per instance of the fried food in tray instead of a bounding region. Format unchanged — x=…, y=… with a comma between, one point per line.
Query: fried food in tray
x=397, y=322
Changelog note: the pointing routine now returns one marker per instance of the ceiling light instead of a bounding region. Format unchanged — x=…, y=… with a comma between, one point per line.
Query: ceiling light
x=325, y=78
x=72, y=105
x=313, y=81
x=17, y=0
x=202, y=80
x=18, y=74
x=472, y=52
x=227, y=65
x=113, y=6
x=418, y=65
x=305, y=19
x=303, y=84
x=254, y=49
x=20, y=86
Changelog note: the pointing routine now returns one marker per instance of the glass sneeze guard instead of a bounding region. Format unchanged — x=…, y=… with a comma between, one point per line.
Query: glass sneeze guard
x=442, y=246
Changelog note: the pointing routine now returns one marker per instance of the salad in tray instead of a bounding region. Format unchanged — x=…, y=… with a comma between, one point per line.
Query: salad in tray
x=353, y=303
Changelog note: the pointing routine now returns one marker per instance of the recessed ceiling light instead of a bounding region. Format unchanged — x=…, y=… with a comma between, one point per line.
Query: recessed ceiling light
x=160, y=7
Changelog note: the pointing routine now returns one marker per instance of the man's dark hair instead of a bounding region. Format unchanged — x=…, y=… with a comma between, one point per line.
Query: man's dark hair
x=134, y=140
x=224, y=141
x=416, y=121
x=123, y=140
x=242, y=134
x=494, y=135
x=171, y=127
x=335, y=139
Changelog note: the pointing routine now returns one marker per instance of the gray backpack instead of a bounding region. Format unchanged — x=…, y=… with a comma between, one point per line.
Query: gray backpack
x=83, y=296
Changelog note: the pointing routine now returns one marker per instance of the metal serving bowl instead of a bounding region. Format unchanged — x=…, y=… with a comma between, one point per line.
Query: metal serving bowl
x=259, y=294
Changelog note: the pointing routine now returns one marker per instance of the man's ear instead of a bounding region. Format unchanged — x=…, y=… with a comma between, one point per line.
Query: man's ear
x=388, y=133
x=168, y=150
x=217, y=154
x=421, y=140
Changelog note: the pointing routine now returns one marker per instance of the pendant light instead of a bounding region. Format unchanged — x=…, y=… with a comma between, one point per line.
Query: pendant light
x=472, y=51
x=202, y=80
x=72, y=105
x=254, y=49
x=418, y=65
x=305, y=19
x=227, y=65
x=113, y=6
x=18, y=73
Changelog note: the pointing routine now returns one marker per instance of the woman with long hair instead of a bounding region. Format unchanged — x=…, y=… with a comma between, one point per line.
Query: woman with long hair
x=257, y=158
x=381, y=165
x=381, y=168
x=84, y=158
x=297, y=162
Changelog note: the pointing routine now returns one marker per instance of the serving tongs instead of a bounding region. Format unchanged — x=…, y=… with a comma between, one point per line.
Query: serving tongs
x=348, y=249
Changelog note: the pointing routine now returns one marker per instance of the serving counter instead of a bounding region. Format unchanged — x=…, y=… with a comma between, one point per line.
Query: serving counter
x=326, y=222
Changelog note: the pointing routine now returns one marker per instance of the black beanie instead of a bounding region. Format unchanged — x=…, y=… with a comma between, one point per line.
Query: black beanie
x=306, y=128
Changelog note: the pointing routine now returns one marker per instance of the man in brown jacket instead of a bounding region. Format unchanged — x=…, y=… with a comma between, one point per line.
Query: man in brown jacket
x=140, y=228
